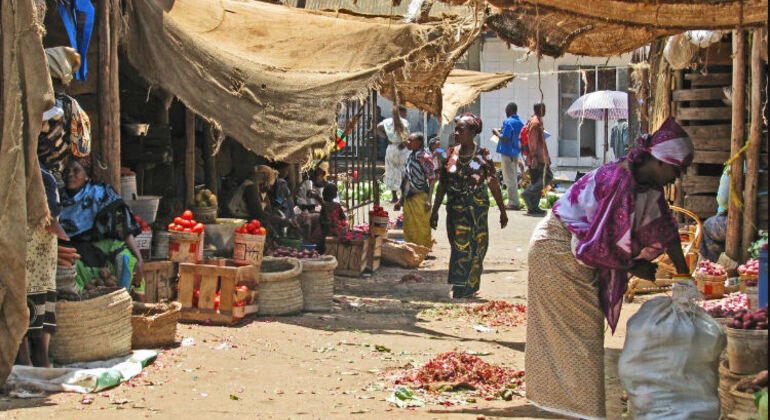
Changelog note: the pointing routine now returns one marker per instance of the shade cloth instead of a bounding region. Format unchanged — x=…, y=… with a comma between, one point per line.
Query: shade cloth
x=271, y=76
x=25, y=94
x=610, y=27
x=463, y=87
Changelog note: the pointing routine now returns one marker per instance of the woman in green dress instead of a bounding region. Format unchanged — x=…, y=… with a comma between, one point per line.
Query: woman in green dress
x=466, y=178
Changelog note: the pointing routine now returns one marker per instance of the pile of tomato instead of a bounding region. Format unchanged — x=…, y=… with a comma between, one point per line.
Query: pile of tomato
x=186, y=224
x=142, y=224
x=378, y=211
x=252, y=228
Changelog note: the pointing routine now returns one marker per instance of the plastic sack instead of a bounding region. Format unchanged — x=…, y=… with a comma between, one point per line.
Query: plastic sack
x=670, y=360
x=679, y=51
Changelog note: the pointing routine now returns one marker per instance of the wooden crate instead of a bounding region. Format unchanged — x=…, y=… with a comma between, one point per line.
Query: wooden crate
x=210, y=279
x=374, y=255
x=351, y=256
x=159, y=278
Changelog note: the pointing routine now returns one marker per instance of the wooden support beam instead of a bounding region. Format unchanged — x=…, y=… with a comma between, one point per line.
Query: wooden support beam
x=738, y=137
x=711, y=79
x=189, y=160
x=212, y=180
x=752, y=153
x=707, y=94
x=716, y=113
x=694, y=184
x=721, y=131
x=107, y=153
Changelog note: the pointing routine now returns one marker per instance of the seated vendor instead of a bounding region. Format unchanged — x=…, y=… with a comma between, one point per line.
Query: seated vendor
x=712, y=244
x=251, y=201
x=331, y=221
x=309, y=192
x=102, y=228
x=280, y=192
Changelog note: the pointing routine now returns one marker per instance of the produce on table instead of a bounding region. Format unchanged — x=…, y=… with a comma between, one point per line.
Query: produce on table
x=710, y=268
x=745, y=320
x=142, y=224
x=459, y=368
x=728, y=307
x=751, y=271
x=205, y=198
x=283, y=251
x=251, y=228
x=186, y=224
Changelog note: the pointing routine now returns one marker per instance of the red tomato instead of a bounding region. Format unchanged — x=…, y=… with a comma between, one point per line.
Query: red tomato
x=178, y=228
x=178, y=220
x=187, y=224
x=198, y=228
x=187, y=215
x=193, y=222
x=244, y=226
x=171, y=226
x=262, y=231
x=253, y=225
x=243, y=288
x=187, y=230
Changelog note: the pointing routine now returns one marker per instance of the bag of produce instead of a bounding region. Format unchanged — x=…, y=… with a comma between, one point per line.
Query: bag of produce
x=670, y=360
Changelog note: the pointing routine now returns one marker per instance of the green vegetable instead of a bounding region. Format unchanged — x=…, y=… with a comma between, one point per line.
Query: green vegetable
x=757, y=245
x=760, y=400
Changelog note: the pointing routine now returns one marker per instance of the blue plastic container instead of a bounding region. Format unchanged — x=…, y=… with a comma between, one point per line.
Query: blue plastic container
x=762, y=283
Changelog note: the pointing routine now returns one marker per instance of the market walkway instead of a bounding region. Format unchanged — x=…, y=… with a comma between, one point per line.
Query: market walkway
x=325, y=366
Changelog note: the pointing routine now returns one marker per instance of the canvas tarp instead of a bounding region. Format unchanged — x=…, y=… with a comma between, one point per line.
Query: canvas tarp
x=463, y=87
x=610, y=27
x=25, y=93
x=271, y=76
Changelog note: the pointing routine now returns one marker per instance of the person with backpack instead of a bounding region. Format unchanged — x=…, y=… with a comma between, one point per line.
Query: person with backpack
x=538, y=162
x=509, y=149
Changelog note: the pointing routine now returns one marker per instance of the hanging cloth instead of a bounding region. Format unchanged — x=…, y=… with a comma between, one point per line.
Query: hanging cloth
x=78, y=18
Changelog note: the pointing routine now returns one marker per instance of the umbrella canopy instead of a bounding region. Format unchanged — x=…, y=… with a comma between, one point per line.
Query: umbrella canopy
x=593, y=105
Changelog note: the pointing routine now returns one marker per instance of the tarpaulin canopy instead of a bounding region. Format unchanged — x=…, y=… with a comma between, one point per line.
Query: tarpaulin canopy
x=271, y=76
x=25, y=93
x=463, y=87
x=610, y=27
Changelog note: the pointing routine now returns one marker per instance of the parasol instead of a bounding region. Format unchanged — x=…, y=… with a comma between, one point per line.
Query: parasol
x=601, y=105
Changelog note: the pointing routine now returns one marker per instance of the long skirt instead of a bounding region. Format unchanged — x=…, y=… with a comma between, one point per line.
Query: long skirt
x=564, y=357
x=40, y=277
x=468, y=233
x=395, y=162
x=417, y=220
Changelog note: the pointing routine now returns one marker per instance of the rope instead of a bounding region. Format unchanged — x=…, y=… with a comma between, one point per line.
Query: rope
x=734, y=195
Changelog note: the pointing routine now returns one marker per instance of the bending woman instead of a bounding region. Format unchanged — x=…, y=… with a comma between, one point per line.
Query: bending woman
x=102, y=228
x=465, y=179
x=613, y=222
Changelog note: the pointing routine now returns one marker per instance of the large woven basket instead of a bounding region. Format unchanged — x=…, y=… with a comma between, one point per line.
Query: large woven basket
x=317, y=281
x=154, y=325
x=94, y=329
x=743, y=402
x=280, y=292
x=727, y=381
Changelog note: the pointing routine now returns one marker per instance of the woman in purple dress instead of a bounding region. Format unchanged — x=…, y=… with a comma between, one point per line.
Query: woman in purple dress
x=610, y=224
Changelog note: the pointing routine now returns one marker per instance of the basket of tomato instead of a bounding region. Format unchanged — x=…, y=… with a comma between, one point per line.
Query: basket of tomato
x=378, y=221
x=249, y=243
x=185, y=242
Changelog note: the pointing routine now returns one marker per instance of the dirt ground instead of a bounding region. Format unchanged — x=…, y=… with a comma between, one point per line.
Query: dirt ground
x=324, y=366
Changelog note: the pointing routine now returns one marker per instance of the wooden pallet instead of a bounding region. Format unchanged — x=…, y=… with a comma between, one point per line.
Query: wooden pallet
x=210, y=279
x=374, y=255
x=351, y=255
x=159, y=277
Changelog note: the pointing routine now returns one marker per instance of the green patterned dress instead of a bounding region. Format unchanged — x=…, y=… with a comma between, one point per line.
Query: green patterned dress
x=467, y=208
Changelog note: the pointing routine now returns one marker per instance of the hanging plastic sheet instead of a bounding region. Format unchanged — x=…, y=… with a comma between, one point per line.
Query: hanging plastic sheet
x=78, y=18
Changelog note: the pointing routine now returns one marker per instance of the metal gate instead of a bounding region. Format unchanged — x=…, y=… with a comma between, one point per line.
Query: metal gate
x=353, y=164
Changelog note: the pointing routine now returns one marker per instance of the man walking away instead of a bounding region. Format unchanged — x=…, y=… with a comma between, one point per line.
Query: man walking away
x=538, y=162
x=396, y=153
x=509, y=148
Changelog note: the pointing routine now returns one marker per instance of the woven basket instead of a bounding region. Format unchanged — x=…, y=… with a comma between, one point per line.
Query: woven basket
x=280, y=292
x=205, y=214
x=317, y=281
x=711, y=287
x=94, y=329
x=154, y=325
x=743, y=402
x=727, y=381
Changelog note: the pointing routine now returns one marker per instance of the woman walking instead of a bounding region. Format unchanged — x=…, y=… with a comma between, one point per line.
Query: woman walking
x=465, y=179
x=610, y=224
x=416, y=192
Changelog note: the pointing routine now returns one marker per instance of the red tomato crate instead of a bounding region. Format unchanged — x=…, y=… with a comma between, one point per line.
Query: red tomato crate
x=221, y=276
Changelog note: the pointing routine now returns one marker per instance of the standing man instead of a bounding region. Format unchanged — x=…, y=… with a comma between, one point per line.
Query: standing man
x=538, y=162
x=396, y=154
x=509, y=148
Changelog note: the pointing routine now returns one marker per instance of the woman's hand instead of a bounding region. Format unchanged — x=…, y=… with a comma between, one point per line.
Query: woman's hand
x=644, y=269
x=434, y=220
x=138, y=274
x=56, y=229
x=428, y=205
x=503, y=219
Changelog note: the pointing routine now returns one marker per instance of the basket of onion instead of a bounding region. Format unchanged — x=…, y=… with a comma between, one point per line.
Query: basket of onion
x=710, y=279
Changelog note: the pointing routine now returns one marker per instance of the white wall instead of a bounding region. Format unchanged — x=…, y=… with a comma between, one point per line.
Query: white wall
x=497, y=57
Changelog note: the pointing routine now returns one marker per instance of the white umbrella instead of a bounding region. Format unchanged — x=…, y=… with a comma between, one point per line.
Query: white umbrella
x=601, y=105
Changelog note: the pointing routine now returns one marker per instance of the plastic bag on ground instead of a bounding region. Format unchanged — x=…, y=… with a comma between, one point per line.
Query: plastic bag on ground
x=670, y=360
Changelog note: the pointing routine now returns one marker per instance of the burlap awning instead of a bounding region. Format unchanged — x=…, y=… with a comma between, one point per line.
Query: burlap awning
x=271, y=76
x=610, y=27
x=463, y=87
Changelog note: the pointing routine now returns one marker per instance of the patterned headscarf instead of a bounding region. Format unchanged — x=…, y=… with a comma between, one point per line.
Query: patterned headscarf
x=63, y=63
x=474, y=122
x=670, y=144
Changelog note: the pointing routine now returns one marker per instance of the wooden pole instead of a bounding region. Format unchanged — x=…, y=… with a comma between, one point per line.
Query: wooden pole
x=606, y=136
x=104, y=88
x=738, y=137
x=211, y=161
x=189, y=161
x=113, y=157
x=752, y=154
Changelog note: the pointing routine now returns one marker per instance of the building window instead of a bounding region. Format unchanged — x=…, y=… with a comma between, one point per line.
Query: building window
x=575, y=139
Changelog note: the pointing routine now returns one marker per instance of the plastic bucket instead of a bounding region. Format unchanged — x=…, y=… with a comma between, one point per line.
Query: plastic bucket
x=160, y=245
x=746, y=350
x=128, y=187
x=185, y=247
x=144, y=243
x=247, y=249
x=221, y=235
x=145, y=206
x=379, y=226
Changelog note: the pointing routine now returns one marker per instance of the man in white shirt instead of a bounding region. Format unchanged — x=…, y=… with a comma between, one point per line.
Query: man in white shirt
x=396, y=154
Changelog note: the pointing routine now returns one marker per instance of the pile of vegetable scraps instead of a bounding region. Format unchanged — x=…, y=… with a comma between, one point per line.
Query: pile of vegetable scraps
x=458, y=370
x=495, y=313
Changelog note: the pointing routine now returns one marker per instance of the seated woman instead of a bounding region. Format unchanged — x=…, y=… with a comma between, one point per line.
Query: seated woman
x=102, y=228
x=332, y=220
x=309, y=192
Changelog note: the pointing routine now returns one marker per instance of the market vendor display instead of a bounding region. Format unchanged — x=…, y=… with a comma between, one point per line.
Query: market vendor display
x=612, y=223
x=102, y=229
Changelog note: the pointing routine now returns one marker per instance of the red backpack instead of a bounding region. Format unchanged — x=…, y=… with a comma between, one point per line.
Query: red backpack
x=524, y=138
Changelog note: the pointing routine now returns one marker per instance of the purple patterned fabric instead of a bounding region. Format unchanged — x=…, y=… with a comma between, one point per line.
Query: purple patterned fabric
x=669, y=144
x=615, y=221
